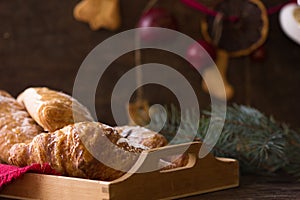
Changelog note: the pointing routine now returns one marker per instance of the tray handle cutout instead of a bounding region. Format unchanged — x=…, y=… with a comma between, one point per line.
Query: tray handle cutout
x=150, y=161
x=171, y=167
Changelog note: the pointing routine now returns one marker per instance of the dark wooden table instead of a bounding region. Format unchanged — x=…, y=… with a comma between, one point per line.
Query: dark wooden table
x=258, y=187
x=41, y=44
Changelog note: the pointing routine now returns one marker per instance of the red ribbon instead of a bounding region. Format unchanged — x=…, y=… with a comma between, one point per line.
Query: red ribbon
x=199, y=6
x=275, y=9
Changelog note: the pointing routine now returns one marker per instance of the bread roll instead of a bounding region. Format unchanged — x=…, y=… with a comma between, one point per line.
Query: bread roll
x=53, y=110
x=138, y=135
x=16, y=125
x=68, y=151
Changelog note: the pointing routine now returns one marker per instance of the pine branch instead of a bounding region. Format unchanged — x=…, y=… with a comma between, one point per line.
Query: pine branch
x=261, y=144
x=292, y=152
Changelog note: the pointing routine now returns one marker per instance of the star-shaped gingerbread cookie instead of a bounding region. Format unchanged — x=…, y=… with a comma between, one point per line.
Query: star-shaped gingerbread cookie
x=99, y=13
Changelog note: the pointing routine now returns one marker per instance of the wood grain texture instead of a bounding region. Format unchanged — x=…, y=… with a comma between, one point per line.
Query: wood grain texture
x=252, y=187
x=41, y=44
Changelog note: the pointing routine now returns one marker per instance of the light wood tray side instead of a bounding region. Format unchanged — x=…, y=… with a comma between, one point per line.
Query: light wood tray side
x=206, y=175
x=48, y=187
x=199, y=176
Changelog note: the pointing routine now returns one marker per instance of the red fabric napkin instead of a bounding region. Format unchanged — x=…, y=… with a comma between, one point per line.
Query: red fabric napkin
x=8, y=173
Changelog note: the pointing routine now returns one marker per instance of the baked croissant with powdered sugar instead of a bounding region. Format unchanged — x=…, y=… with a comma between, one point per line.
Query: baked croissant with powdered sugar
x=15, y=125
x=68, y=151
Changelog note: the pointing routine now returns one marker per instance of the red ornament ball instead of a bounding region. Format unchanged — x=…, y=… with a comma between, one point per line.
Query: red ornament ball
x=259, y=55
x=156, y=17
x=199, y=57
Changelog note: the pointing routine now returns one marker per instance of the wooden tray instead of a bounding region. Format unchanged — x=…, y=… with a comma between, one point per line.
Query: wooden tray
x=199, y=176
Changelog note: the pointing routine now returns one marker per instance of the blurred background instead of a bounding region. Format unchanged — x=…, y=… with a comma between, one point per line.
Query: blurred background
x=41, y=44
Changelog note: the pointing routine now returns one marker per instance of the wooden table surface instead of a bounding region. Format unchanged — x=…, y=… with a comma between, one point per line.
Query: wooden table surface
x=258, y=187
x=41, y=44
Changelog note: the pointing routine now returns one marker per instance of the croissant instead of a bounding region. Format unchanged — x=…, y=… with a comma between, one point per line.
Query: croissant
x=16, y=125
x=142, y=136
x=68, y=151
x=51, y=109
x=5, y=94
x=137, y=135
